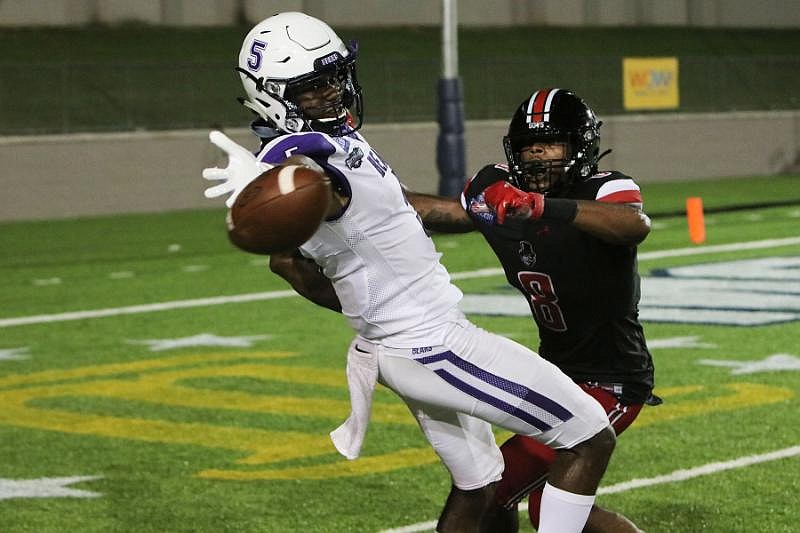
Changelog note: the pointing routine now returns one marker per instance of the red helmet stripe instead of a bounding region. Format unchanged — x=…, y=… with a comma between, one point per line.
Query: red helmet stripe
x=539, y=105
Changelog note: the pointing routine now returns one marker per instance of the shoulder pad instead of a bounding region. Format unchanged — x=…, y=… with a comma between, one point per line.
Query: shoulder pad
x=608, y=175
x=483, y=178
x=616, y=187
x=316, y=145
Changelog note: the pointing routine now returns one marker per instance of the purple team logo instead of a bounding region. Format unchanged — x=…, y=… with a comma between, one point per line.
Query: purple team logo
x=354, y=158
x=329, y=59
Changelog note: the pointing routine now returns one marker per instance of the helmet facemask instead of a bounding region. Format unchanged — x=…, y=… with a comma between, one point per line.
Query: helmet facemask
x=545, y=175
x=337, y=115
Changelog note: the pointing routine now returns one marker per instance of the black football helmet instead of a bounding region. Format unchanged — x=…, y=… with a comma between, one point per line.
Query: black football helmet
x=552, y=115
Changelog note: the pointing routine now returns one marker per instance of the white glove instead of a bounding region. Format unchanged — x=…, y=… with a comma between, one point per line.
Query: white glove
x=242, y=169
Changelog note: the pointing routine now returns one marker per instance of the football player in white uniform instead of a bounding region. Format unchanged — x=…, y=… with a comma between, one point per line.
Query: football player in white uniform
x=372, y=261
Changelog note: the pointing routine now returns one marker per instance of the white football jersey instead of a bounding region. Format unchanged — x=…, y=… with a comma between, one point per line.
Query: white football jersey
x=383, y=265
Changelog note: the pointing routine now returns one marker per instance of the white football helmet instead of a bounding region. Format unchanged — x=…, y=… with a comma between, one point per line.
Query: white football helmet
x=288, y=54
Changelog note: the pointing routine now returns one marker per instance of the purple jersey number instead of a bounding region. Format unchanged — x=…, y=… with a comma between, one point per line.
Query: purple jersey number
x=377, y=162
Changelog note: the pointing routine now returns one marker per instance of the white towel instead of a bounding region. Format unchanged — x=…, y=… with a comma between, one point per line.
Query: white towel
x=362, y=375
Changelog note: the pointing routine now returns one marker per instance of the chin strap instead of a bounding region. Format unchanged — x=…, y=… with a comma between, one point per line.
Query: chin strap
x=258, y=81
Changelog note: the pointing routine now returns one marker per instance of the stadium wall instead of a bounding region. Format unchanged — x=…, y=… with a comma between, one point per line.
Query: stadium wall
x=356, y=13
x=65, y=176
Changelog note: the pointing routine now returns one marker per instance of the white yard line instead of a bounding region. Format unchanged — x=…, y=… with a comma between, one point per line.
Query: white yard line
x=719, y=248
x=672, y=477
x=144, y=308
x=257, y=296
x=710, y=468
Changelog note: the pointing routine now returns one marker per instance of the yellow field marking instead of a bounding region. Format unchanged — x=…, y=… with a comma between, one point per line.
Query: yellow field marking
x=28, y=401
x=374, y=464
x=111, y=369
x=682, y=402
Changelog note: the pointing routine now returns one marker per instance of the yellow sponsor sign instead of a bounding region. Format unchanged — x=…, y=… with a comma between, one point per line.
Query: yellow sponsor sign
x=650, y=83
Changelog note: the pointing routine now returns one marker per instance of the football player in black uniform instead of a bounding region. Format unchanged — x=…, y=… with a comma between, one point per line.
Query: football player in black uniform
x=566, y=235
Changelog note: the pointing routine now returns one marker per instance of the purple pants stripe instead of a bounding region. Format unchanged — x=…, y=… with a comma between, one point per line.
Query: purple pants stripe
x=520, y=391
x=491, y=400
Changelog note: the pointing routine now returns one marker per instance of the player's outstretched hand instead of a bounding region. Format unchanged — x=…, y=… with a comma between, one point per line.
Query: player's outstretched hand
x=505, y=199
x=242, y=169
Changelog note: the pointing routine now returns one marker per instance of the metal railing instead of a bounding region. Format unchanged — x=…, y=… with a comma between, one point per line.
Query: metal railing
x=80, y=97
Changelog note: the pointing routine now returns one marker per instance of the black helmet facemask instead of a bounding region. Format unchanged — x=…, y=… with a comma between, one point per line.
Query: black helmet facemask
x=553, y=116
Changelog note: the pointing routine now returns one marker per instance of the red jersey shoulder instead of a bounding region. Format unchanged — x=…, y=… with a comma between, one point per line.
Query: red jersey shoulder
x=614, y=187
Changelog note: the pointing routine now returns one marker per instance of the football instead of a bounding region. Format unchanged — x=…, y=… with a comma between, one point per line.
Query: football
x=279, y=210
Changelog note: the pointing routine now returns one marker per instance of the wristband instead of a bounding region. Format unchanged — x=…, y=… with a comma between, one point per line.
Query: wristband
x=562, y=209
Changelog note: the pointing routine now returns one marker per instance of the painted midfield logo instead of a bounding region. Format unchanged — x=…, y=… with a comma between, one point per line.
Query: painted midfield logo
x=182, y=382
x=751, y=292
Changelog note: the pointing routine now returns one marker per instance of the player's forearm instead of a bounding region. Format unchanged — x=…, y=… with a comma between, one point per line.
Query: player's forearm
x=440, y=214
x=305, y=277
x=613, y=223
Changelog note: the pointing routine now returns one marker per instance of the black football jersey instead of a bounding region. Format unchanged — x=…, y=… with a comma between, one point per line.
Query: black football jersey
x=583, y=292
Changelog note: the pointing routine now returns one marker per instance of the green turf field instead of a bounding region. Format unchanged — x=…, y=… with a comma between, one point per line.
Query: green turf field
x=154, y=379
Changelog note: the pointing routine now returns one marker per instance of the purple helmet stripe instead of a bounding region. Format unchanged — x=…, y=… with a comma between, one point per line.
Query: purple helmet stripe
x=520, y=391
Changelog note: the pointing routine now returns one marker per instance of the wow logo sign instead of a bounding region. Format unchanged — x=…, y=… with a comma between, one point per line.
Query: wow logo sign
x=650, y=83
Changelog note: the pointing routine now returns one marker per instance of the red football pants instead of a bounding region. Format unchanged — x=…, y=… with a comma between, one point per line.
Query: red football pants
x=527, y=461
